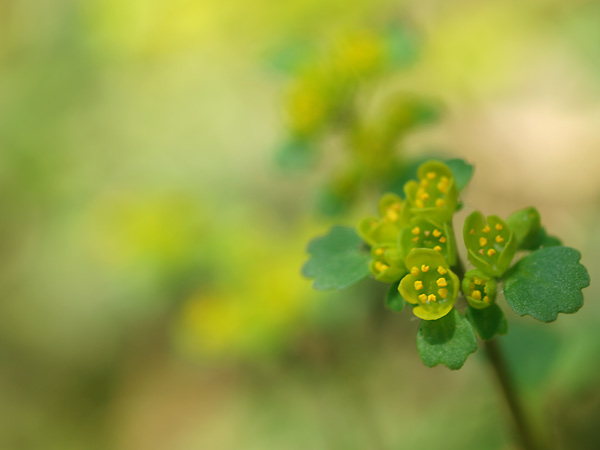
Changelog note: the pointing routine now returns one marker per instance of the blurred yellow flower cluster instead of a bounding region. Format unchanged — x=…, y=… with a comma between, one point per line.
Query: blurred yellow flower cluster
x=253, y=313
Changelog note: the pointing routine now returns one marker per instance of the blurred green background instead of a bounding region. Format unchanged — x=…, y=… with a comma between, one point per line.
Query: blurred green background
x=150, y=246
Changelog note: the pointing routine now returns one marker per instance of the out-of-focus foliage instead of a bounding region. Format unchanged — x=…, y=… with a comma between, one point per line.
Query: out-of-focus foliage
x=334, y=100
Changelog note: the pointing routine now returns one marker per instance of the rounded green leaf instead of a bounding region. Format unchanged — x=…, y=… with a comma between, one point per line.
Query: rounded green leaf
x=547, y=282
x=448, y=341
x=488, y=322
x=393, y=299
x=337, y=260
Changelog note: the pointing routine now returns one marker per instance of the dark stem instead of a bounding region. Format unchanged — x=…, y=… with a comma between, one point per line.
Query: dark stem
x=459, y=268
x=500, y=368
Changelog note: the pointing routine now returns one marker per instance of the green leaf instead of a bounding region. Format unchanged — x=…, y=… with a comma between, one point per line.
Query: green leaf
x=488, y=322
x=462, y=171
x=545, y=240
x=393, y=299
x=526, y=224
x=338, y=259
x=449, y=341
x=547, y=282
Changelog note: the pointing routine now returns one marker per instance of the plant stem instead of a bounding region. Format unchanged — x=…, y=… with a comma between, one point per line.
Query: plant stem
x=500, y=368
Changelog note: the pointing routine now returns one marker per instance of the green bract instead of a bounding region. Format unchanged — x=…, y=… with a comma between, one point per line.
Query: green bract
x=435, y=196
x=526, y=224
x=490, y=243
x=431, y=285
x=387, y=264
x=479, y=289
x=393, y=299
x=375, y=230
x=425, y=233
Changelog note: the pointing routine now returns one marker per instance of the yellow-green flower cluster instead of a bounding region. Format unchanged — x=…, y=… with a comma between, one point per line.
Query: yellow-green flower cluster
x=479, y=289
x=431, y=285
x=413, y=241
x=490, y=243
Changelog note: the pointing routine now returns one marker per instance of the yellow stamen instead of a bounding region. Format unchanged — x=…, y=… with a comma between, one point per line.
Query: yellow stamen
x=480, y=251
x=478, y=280
x=380, y=251
x=431, y=175
x=442, y=187
x=491, y=252
x=416, y=239
x=380, y=267
x=419, y=204
x=424, y=268
x=476, y=295
x=440, y=203
x=482, y=241
x=416, y=230
x=486, y=299
x=414, y=271
x=441, y=270
x=437, y=233
x=418, y=285
x=441, y=282
x=437, y=248
x=445, y=180
x=424, y=196
x=423, y=297
x=499, y=239
x=498, y=226
x=431, y=298
x=443, y=293
x=485, y=289
x=443, y=240
x=486, y=229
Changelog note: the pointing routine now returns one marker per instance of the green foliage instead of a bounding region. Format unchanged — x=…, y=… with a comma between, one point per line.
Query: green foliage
x=462, y=171
x=393, y=299
x=547, y=282
x=449, y=341
x=488, y=322
x=526, y=224
x=337, y=260
x=412, y=246
x=295, y=154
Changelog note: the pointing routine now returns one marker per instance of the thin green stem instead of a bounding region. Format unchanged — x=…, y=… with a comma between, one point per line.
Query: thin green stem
x=499, y=365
